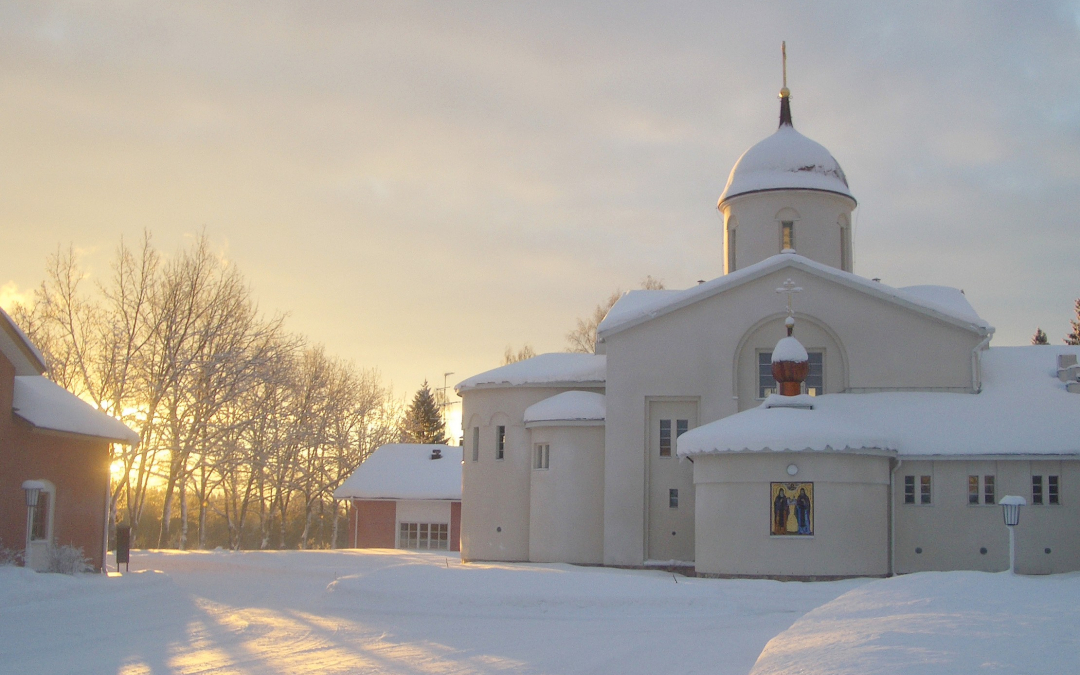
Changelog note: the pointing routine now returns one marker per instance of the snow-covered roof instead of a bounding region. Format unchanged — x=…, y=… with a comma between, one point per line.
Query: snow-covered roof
x=47, y=405
x=572, y=407
x=637, y=307
x=406, y=471
x=1023, y=409
x=787, y=160
x=18, y=349
x=545, y=370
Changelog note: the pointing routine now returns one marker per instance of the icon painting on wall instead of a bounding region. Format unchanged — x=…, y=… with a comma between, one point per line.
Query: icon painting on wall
x=792, y=509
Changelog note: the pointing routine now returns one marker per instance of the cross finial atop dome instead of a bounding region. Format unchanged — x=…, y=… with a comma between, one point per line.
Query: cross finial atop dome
x=785, y=93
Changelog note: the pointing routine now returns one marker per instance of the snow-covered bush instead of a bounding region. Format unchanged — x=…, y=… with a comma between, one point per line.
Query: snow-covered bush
x=67, y=560
x=10, y=556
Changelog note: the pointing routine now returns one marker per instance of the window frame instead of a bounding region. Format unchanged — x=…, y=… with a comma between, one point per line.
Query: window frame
x=476, y=444
x=500, y=442
x=919, y=490
x=787, y=235
x=541, y=456
x=673, y=498
x=981, y=486
x=664, y=448
x=1053, y=490
x=764, y=369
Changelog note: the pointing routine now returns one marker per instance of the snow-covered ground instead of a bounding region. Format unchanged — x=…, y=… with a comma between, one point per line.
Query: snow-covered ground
x=418, y=613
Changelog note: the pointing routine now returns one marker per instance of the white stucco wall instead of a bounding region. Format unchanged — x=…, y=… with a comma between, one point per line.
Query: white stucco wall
x=817, y=216
x=692, y=353
x=951, y=532
x=567, y=499
x=495, y=493
x=851, y=523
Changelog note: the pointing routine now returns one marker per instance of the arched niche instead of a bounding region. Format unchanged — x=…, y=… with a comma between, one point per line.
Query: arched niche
x=763, y=336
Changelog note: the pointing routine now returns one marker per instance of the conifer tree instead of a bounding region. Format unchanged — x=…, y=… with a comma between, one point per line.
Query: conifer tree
x=1073, y=338
x=423, y=421
x=1039, y=338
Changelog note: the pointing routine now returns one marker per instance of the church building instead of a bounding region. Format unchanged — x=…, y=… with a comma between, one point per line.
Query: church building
x=789, y=419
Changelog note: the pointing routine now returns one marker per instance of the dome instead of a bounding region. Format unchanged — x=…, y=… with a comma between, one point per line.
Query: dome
x=787, y=160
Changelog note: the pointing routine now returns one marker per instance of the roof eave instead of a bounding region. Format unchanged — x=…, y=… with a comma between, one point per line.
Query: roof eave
x=724, y=198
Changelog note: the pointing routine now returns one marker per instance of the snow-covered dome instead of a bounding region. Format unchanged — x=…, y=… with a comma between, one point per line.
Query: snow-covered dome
x=787, y=160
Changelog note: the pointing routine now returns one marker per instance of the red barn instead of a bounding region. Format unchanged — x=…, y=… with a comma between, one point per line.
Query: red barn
x=406, y=495
x=54, y=453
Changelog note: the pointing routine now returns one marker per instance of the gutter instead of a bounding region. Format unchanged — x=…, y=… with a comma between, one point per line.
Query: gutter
x=976, y=363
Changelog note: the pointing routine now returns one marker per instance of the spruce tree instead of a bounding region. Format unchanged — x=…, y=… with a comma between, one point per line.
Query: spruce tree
x=1073, y=338
x=423, y=421
x=1039, y=338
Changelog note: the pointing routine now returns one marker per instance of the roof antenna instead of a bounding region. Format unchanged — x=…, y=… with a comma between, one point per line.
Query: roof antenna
x=785, y=94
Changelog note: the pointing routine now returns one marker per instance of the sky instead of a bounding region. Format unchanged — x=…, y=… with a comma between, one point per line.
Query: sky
x=421, y=185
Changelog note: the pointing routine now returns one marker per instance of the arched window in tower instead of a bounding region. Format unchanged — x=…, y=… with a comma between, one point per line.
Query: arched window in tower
x=845, y=243
x=731, y=223
x=787, y=235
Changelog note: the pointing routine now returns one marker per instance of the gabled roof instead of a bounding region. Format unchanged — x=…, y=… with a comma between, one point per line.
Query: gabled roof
x=546, y=370
x=1023, y=409
x=406, y=471
x=18, y=349
x=46, y=405
x=638, y=307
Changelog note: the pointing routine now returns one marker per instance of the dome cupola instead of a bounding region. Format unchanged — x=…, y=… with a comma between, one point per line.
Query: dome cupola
x=785, y=184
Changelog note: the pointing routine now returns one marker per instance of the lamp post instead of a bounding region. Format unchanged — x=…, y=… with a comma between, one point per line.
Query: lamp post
x=1010, y=511
x=32, y=489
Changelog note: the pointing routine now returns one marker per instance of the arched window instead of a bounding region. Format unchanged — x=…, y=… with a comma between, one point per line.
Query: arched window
x=730, y=230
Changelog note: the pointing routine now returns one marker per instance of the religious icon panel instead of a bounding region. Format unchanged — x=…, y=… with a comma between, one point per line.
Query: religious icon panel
x=792, y=509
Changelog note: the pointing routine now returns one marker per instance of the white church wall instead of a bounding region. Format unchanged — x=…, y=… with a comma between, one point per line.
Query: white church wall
x=495, y=492
x=817, y=218
x=814, y=336
x=691, y=353
x=951, y=533
x=850, y=515
x=567, y=498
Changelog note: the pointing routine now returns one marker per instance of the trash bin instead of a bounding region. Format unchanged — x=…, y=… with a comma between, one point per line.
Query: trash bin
x=123, y=547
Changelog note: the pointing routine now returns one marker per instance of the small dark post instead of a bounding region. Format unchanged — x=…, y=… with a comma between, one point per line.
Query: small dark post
x=123, y=547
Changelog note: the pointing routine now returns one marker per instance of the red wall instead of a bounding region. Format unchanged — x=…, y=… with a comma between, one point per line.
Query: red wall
x=76, y=465
x=455, y=526
x=371, y=524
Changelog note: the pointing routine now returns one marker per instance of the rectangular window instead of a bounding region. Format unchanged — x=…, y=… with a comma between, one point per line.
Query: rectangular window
x=1036, y=490
x=39, y=525
x=973, y=489
x=673, y=498
x=541, y=455
x=665, y=438
x=988, y=490
x=681, y=427
x=766, y=383
x=815, y=380
x=731, y=249
x=424, y=536
x=500, y=442
x=924, y=489
x=475, y=444
x=1053, y=490
x=787, y=235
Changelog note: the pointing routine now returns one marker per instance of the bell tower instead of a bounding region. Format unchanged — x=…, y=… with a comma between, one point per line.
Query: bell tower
x=787, y=193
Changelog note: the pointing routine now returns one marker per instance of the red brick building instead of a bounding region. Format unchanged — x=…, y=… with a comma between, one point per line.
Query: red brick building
x=55, y=443
x=406, y=496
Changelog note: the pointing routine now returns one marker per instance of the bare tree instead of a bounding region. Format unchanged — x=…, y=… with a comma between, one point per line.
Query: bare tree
x=582, y=339
x=510, y=356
